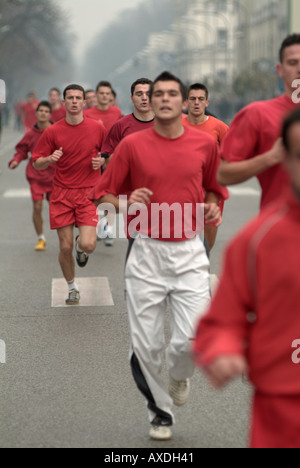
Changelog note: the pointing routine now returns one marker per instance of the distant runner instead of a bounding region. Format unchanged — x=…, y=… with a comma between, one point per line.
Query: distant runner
x=74, y=145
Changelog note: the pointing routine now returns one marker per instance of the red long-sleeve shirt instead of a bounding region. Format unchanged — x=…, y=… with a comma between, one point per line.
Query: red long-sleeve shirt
x=24, y=150
x=261, y=275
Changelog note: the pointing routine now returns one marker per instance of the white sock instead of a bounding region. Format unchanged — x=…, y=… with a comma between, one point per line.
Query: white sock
x=42, y=237
x=72, y=285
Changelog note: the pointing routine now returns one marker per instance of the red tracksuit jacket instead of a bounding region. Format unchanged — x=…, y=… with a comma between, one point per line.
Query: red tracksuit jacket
x=261, y=276
x=23, y=150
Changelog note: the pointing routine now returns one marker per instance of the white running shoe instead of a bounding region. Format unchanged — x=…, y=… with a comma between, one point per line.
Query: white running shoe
x=108, y=236
x=160, y=433
x=179, y=391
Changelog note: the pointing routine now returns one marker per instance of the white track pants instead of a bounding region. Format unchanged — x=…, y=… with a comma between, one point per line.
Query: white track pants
x=155, y=272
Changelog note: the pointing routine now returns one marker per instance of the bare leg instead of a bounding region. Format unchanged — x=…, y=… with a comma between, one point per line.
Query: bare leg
x=37, y=217
x=87, y=239
x=66, y=260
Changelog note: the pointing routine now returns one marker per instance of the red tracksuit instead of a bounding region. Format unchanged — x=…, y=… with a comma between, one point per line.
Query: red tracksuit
x=41, y=182
x=262, y=275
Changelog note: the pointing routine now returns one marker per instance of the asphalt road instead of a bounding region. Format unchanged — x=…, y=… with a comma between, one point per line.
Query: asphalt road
x=66, y=381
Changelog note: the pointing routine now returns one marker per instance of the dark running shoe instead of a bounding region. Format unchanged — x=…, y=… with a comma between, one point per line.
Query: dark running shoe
x=81, y=257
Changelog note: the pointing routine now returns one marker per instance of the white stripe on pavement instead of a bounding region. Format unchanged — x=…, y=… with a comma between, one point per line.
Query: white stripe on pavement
x=94, y=292
x=17, y=193
x=244, y=192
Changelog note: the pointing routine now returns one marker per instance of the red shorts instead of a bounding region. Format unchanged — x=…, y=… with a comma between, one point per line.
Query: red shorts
x=71, y=206
x=276, y=422
x=39, y=191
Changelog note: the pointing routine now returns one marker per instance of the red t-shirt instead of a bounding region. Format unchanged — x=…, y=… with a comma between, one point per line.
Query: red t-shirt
x=253, y=132
x=108, y=118
x=121, y=129
x=214, y=127
x=176, y=171
x=261, y=275
x=58, y=114
x=80, y=144
x=23, y=150
x=29, y=114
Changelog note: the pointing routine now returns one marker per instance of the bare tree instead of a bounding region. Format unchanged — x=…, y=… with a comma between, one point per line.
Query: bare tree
x=34, y=42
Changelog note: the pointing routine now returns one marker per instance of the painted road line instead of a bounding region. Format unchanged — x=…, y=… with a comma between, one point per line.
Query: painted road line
x=94, y=292
x=244, y=192
x=17, y=193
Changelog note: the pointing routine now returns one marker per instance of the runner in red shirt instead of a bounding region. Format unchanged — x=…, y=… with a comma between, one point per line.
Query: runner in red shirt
x=164, y=168
x=198, y=102
x=253, y=325
x=104, y=112
x=141, y=119
x=74, y=145
x=41, y=182
x=28, y=111
x=58, y=109
x=253, y=146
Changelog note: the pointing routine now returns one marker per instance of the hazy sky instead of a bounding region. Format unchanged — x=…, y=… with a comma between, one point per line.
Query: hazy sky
x=89, y=17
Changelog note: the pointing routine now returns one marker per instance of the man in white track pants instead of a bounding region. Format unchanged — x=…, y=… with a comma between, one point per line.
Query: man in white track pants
x=170, y=172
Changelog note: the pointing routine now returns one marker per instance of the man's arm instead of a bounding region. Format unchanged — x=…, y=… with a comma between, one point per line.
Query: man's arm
x=220, y=347
x=22, y=150
x=212, y=212
x=42, y=164
x=141, y=196
x=231, y=173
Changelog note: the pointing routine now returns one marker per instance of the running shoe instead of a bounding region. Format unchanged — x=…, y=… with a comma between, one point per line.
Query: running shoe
x=81, y=257
x=179, y=391
x=74, y=298
x=108, y=236
x=160, y=431
x=41, y=246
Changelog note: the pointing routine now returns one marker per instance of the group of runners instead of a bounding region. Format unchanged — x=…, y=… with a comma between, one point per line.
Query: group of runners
x=159, y=157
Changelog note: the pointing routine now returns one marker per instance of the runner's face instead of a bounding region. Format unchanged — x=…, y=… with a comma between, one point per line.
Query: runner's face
x=104, y=95
x=91, y=99
x=74, y=101
x=293, y=157
x=54, y=98
x=167, y=101
x=289, y=69
x=140, y=98
x=43, y=114
x=197, y=102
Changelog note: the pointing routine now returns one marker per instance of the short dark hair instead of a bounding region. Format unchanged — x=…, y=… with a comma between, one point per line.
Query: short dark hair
x=289, y=41
x=140, y=81
x=44, y=104
x=168, y=76
x=291, y=120
x=198, y=87
x=74, y=87
x=104, y=84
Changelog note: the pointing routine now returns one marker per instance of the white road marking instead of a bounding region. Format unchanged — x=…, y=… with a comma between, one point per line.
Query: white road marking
x=244, y=192
x=17, y=193
x=94, y=292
